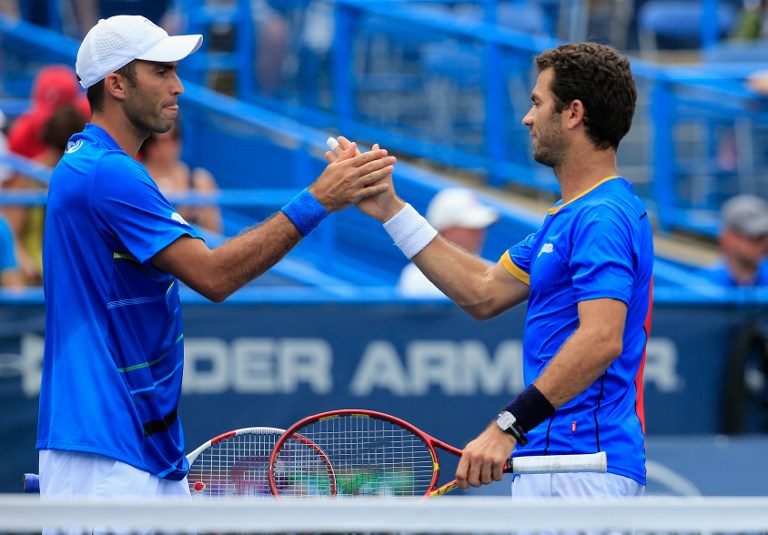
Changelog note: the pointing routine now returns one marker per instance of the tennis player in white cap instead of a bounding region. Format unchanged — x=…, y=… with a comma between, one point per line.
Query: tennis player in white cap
x=459, y=216
x=114, y=252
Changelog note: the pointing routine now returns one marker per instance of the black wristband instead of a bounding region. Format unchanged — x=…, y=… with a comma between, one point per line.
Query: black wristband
x=530, y=408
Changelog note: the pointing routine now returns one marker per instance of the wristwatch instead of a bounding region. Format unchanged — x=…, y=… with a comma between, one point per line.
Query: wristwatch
x=508, y=423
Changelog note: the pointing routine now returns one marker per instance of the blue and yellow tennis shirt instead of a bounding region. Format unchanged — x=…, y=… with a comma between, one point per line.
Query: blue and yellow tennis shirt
x=599, y=245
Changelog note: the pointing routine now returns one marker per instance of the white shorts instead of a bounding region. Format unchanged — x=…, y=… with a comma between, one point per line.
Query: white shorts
x=586, y=484
x=67, y=474
x=575, y=484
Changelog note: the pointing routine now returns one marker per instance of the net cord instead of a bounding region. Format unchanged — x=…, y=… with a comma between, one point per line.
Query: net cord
x=439, y=515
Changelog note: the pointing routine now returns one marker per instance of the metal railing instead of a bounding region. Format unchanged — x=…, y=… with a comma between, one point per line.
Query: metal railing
x=249, y=147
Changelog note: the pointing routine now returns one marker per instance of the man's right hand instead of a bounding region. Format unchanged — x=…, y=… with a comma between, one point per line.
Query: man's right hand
x=381, y=206
x=483, y=459
x=352, y=177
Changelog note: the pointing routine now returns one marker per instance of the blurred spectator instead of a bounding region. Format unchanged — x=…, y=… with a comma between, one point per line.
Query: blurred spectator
x=758, y=81
x=458, y=215
x=743, y=243
x=161, y=154
x=5, y=170
x=27, y=222
x=10, y=8
x=8, y=260
x=54, y=86
x=751, y=21
x=273, y=34
x=753, y=25
x=75, y=17
x=9, y=273
x=88, y=12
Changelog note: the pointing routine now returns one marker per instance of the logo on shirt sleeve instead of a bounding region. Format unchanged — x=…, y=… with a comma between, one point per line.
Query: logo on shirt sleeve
x=176, y=216
x=73, y=146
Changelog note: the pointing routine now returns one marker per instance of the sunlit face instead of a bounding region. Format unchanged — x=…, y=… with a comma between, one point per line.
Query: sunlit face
x=544, y=123
x=151, y=105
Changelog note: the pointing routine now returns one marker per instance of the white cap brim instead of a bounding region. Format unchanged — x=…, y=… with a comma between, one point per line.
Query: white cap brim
x=173, y=48
x=476, y=217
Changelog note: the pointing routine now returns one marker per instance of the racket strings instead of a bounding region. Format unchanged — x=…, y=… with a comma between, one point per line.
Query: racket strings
x=353, y=455
x=235, y=466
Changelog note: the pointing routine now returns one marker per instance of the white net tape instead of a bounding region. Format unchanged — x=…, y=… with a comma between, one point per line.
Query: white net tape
x=439, y=515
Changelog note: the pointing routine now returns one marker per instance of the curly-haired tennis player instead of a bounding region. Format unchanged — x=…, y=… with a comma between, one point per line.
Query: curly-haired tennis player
x=586, y=274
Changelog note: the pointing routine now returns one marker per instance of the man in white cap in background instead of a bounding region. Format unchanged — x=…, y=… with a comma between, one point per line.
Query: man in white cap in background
x=743, y=243
x=459, y=216
x=114, y=252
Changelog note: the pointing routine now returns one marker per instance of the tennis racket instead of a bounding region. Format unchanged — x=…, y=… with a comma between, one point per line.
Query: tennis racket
x=372, y=453
x=233, y=464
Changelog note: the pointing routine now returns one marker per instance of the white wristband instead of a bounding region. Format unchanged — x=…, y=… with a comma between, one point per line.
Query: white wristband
x=410, y=231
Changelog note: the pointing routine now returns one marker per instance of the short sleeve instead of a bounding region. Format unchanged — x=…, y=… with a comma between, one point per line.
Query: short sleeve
x=517, y=259
x=132, y=209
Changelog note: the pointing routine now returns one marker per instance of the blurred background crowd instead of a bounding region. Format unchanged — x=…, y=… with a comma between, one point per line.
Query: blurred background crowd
x=442, y=83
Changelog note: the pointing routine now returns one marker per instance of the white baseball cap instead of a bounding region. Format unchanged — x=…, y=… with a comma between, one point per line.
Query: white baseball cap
x=747, y=215
x=115, y=42
x=459, y=207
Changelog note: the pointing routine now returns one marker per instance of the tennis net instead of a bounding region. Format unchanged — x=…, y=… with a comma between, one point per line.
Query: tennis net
x=25, y=514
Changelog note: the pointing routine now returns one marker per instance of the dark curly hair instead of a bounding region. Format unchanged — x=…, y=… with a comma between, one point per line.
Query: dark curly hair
x=602, y=80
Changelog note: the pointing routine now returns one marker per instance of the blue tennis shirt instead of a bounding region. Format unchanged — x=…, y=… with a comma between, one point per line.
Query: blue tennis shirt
x=114, y=339
x=599, y=245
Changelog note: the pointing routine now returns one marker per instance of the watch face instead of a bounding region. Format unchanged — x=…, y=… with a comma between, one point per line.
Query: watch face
x=505, y=420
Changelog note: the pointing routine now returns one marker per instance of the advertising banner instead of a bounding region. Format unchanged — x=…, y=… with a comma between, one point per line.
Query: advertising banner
x=430, y=364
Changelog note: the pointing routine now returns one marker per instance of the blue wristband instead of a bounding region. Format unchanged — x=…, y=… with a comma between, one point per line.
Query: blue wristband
x=530, y=408
x=305, y=211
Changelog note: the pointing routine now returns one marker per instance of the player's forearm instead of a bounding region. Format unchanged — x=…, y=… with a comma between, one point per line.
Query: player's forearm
x=578, y=364
x=467, y=279
x=460, y=275
x=244, y=258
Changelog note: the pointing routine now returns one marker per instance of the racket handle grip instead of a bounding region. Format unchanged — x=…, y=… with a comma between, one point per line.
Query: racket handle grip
x=547, y=464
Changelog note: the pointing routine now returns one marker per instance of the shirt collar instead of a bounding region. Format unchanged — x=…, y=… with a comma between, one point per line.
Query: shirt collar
x=560, y=204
